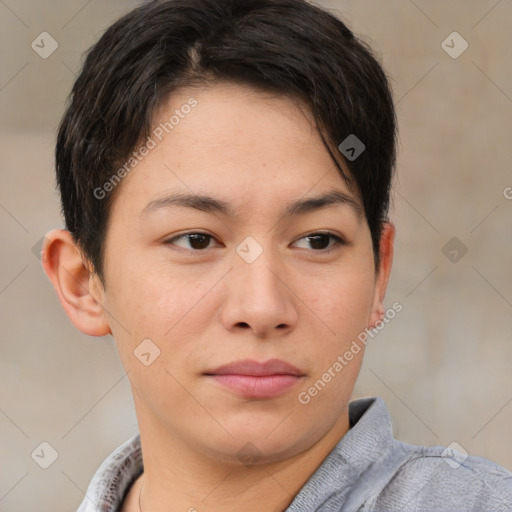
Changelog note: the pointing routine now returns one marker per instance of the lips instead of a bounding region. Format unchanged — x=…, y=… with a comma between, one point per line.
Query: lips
x=252, y=379
x=257, y=369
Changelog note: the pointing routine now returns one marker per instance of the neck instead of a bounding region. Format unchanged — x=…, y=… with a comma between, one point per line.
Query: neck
x=178, y=478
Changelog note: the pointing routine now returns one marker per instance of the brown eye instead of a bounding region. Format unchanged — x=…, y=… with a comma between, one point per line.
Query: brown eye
x=320, y=241
x=197, y=241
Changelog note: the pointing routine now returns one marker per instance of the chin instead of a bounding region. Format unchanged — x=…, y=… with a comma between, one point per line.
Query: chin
x=246, y=450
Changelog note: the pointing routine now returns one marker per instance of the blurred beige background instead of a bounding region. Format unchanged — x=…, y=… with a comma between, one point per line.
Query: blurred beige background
x=443, y=365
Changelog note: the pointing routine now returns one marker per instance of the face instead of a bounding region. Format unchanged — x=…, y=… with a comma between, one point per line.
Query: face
x=242, y=276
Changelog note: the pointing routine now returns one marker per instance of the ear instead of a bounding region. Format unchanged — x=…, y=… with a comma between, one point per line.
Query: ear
x=386, y=260
x=79, y=289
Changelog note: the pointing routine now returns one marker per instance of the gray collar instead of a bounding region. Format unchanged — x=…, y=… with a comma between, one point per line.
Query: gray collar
x=370, y=436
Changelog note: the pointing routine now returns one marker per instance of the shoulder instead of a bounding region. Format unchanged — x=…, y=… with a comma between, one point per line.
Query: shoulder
x=441, y=479
x=114, y=478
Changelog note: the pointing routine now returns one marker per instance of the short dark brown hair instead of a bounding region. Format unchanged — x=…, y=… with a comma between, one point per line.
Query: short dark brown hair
x=289, y=47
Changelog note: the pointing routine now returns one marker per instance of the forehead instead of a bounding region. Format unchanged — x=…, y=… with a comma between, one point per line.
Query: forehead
x=234, y=142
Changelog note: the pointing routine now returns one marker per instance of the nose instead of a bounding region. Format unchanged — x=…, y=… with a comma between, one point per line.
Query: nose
x=259, y=295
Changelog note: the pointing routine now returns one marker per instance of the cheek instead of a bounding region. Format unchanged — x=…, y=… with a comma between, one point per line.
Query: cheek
x=149, y=300
x=170, y=309
x=343, y=299
x=341, y=311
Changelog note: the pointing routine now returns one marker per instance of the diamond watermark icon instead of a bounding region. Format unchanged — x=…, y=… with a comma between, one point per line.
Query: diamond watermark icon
x=249, y=454
x=37, y=249
x=249, y=250
x=44, y=45
x=146, y=352
x=44, y=455
x=454, y=45
x=351, y=147
x=454, y=455
x=454, y=249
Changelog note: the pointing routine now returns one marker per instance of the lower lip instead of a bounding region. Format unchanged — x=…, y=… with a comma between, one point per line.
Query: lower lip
x=258, y=387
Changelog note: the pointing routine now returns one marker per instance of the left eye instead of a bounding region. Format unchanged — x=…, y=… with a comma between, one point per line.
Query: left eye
x=317, y=240
x=200, y=241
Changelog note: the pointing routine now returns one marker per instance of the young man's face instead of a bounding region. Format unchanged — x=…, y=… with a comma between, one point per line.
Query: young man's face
x=253, y=287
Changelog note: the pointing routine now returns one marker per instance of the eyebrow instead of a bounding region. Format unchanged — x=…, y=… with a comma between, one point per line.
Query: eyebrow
x=212, y=205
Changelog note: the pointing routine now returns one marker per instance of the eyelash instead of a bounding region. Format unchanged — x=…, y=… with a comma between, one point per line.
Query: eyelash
x=337, y=239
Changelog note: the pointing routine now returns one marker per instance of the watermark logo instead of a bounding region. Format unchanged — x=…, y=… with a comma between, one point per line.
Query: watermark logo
x=249, y=454
x=351, y=147
x=454, y=455
x=249, y=250
x=454, y=249
x=143, y=150
x=44, y=45
x=304, y=397
x=146, y=352
x=37, y=250
x=44, y=455
x=454, y=45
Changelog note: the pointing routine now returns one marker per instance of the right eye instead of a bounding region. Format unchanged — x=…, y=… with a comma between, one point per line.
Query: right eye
x=198, y=241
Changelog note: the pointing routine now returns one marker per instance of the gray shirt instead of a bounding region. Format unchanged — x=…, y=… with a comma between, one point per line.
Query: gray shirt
x=368, y=470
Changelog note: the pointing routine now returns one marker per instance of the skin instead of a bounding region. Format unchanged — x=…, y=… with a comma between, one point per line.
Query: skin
x=297, y=301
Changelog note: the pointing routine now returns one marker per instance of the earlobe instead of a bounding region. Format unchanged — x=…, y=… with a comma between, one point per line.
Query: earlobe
x=63, y=264
x=386, y=261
